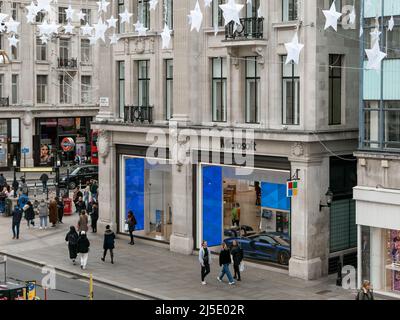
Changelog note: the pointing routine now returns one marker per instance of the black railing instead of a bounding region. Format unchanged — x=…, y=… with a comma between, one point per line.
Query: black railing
x=249, y=28
x=138, y=114
x=67, y=63
x=4, y=102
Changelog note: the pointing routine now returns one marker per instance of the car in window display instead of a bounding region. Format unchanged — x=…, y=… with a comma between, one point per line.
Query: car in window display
x=263, y=247
x=236, y=231
x=79, y=175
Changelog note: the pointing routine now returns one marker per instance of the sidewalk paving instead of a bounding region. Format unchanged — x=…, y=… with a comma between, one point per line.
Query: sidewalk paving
x=159, y=272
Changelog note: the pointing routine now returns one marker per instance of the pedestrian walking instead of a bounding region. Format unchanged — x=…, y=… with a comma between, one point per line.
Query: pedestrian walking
x=83, y=249
x=16, y=221
x=224, y=262
x=234, y=215
x=205, y=261
x=3, y=197
x=60, y=209
x=94, y=216
x=3, y=181
x=24, y=187
x=109, y=243
x=77, y=194
x=29, y=214
x=15, y=186
x=43, y=209
x=72, y=239
x=131, y=222
x=366, y=292
x=83, y=222
x=44, y=178
x=237, y=257
x=86, y=196
x=93, y=190
x=53, y=212
x=80, y=205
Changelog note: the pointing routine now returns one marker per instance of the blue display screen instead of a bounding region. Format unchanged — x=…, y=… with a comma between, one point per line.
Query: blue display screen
x=273, y=196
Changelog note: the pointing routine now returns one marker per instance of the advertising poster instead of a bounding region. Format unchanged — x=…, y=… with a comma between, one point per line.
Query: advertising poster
x=395, y=252
x=46, y=157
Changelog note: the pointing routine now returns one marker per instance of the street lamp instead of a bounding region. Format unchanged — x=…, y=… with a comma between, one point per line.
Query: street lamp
x=58, y=164
x=329, y=198
x=15, y=182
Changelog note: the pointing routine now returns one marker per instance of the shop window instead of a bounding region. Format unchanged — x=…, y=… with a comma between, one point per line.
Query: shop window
x=3, y=143
x=146, y=191
x=365, y=253
x=252, y=210
x=392, y=261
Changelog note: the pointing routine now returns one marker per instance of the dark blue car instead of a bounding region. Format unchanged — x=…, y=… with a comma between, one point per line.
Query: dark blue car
x=263, y=247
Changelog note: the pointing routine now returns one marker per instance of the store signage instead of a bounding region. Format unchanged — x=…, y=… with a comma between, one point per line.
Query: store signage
x=104, y=102
x=25, y=150
x=67, y=144
x=239, y=145
x=291, y=189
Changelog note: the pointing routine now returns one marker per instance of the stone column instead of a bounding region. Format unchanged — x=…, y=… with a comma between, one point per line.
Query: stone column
x=377, y=266
x=310, y=227
x=27, y=132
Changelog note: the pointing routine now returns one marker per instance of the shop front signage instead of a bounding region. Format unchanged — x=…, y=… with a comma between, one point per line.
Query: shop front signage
x=104, y=102
x=239, y=145
x=291, y=189
x=67, y=144
x=25, y=150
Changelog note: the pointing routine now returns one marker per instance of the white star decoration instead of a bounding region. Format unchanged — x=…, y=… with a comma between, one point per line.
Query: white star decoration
x=3, y=16
x=69, y=13
x=113, y=39
x=87, y=30
x=352, y=16
x=13, y=41
x=231, y=11
x=293, y=50
x=332, y=17
x=112, y=22
x=102, y=5
x=99, y=30
x=125, y=16
x=12, y=25
x=43, y=5
x=196, y=18
x=140, y=28
x=391, y=24
x=153, y=4
x=375, y=35
x=166, y=37
x=69, y=28
x=375, y=57
x=207, y=3
x=44, y=39
x=81, y=15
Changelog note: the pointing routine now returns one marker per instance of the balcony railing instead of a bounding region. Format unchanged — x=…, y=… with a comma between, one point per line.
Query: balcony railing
x=138, y=114
x=4, y=102
x=249, y=28
x=67, y=63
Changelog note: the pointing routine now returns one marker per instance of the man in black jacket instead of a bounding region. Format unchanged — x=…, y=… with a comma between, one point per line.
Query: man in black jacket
x=224, y=262
x=109, y=243
x=44, y=178
x=16, y=221
x=237, y=256
x=83, y=249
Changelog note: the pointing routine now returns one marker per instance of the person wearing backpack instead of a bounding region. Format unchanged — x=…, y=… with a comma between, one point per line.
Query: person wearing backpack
x=131, y=225
x=205, y=261
x=29, y=214
x=72, y=239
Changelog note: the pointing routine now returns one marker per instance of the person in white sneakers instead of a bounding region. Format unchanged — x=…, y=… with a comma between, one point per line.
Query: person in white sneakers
x=205, y=261
x=224, y=261
x=43, y=213
x=83, y=249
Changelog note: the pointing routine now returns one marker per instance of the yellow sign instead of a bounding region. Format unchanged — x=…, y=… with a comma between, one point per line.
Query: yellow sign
x=40, y=169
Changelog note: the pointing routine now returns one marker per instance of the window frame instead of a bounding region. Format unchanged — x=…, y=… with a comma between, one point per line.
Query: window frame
x=294, y=79
x=14, y=85
x=257, y=80
x=121, y=86
x=169, y=83
x=287, y=14
x=219, y=18
x=42, y=86
x=41, y=50
x=224, y=97
x=143, y=81
x=143, y=11
x=87, y=91
x=332, y=78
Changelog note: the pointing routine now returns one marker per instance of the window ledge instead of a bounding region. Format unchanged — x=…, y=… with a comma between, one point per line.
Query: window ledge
x=286, y=25
x=16, y=61
x=87, y=64
x=44, y=62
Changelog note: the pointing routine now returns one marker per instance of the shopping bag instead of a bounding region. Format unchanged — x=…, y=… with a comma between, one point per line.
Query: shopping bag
x=126, y=227
x=241, y=267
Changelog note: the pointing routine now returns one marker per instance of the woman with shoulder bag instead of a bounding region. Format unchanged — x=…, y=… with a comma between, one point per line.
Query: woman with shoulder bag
x=131, y=225
x=237, y=257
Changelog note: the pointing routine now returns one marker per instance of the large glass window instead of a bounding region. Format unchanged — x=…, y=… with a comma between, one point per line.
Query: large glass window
x=252, y=8
x=289, y=10
x=85, y=51
x=335, y=89
x=62, y=15
x=371, y=124
x=14, y=89
x=41, y=89
x=169, y=87
x=143, y=82
x=41, y=50
x=64, y=50
x=252, y=90
x=290, y=93
x=392, y=39
x=144, y=12
x=87, y=18
x=168, y=13
x=146, y=191
x=217, y=14
x=121, y=87
x=392, y=124
x=65, y=89
x=219, y=89
x=86, y=89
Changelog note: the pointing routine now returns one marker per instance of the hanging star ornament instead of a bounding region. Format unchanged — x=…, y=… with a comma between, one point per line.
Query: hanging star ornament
x=391, y=24
x=166, y=37
x=3, y=16
x=44, y=28
x=13, y=41
x=113, y=39
x=103, y=4
x=99, y=30
x=44, y=39
x=87, y=30
x=231, y=11
x=352, y=16
x=141, y=29
x=196, y=18
x=112, y=22
x=375, y=57
x=153, y=4
x=69, y=28
x=125, y=16
x=12, y=25
x=30, y=18
x=69, y=13
x=44, y=5
x=375, y=35
x=92, y=40
x=332, y=17
x=81, y=15
x=293, y=49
